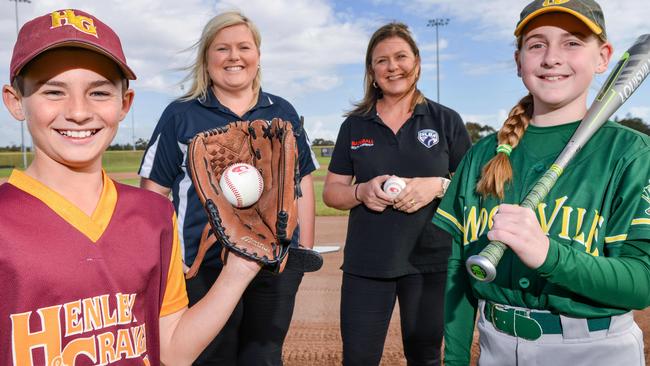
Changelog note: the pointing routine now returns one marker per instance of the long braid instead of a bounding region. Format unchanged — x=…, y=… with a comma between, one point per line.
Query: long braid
x=498, y=171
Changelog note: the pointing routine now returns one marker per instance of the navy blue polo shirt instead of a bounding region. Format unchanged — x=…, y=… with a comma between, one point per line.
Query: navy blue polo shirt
x=430, y=144
x=165, y=160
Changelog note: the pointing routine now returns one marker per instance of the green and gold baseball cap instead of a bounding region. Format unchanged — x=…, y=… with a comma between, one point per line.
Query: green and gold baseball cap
x=588, y=11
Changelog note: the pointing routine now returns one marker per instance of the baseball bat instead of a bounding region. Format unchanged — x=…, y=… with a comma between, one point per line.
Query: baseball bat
x=625, y=78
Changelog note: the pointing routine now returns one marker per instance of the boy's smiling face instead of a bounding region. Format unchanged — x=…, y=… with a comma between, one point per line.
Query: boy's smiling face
x=73, y=101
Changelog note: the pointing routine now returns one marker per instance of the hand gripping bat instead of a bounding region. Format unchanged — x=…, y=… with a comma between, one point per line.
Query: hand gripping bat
x=626, y=77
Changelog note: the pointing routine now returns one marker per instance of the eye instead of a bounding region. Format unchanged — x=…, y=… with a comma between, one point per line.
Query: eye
x=536, y=46
x=101, y=94
x=53, y=93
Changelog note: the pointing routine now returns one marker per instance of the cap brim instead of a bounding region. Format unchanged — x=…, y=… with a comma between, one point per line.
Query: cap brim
x=593, y=26
x=128, y=73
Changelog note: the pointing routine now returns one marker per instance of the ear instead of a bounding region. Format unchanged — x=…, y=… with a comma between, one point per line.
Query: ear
x=127, y=101
x=13, y=101
x=604, y=55
x=518, y=63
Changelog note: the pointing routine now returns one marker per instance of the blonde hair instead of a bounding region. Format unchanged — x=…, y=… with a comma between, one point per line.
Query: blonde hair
x=498, y=171
x=198, y=72
x=371, y=93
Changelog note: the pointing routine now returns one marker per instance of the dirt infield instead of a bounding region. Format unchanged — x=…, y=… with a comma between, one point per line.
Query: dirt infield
x=314, y=337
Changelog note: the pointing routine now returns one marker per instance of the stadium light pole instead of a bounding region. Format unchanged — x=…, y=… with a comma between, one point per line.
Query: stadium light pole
x=22, y=125
x=438, y=22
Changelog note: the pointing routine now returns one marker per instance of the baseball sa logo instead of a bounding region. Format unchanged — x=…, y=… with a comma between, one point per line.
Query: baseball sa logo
x=428, y=137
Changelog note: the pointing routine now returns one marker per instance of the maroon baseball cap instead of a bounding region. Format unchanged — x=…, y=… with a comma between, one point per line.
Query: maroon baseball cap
x=66, y=28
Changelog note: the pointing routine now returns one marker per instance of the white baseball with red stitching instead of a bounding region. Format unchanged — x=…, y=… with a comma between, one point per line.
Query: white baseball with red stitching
x=393, y=186
x=241, y=184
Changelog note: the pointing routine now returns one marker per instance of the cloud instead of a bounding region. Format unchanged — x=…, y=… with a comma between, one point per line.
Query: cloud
x=313, y=50
x=323, y=126
x=303, y=52
x=299, y=49
x=496, y=19
x=304, y=43
x=477, y=69
x=641, y=112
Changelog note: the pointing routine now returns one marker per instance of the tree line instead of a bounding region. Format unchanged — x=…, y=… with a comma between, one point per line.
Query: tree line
x=476, y=132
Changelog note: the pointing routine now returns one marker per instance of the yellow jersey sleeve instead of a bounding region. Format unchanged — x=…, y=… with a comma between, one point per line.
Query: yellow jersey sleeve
x=175, y=297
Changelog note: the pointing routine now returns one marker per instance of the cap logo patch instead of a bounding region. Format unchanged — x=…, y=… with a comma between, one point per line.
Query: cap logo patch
x=428, y=137
x=79, y=22
x=554, y=2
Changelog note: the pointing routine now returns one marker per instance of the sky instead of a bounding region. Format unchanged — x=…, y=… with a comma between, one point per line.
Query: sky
x=313, y=53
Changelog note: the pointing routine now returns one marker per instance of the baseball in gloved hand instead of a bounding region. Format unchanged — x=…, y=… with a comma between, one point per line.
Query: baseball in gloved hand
x=261, y=232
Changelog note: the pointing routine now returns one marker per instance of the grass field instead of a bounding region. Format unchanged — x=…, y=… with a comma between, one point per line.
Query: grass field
x=114, y=161
x=129, y=162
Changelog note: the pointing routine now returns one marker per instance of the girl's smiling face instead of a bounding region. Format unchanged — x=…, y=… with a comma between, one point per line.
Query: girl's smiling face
x=557, y=60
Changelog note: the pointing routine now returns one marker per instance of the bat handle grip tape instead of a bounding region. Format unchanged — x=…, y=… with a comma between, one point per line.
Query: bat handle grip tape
x=483, y=266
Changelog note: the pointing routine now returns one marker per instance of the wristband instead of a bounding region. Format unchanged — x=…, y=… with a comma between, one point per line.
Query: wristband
x=445, y=184
x=355, y=192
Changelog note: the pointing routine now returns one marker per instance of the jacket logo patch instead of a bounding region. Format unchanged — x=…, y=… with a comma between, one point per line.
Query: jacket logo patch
x=428, y=138
x=646, y=196
x=362, y=143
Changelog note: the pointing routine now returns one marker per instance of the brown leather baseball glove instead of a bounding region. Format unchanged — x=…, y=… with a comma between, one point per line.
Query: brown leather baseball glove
x=261, y=232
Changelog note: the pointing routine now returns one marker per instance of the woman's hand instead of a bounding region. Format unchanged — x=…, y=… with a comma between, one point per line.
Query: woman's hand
x=518, y=228
x=372, y=195
x=418, y=193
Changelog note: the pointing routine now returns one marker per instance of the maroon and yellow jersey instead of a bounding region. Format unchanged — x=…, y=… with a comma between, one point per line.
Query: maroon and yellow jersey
x=80, y=290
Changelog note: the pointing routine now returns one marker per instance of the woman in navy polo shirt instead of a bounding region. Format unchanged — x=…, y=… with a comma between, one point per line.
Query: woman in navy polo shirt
x=393, y=251
x=225, y=88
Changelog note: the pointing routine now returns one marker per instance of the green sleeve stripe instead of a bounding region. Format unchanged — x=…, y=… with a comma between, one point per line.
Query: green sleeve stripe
x=451, y=218
x=614, y=239
x=641, y=222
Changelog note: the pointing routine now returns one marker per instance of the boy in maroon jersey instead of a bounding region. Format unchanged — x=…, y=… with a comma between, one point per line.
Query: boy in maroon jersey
x=91, y=268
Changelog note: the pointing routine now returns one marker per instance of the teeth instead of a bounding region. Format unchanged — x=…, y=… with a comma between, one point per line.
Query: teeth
x=234, y=68
x=394, y=77
x=553, y=78
x=77, y=134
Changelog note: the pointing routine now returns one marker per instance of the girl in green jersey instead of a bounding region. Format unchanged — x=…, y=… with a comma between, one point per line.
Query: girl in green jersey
x=578, y=263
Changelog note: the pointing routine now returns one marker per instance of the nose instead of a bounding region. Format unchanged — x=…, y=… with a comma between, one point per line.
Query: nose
x=234, y=54
x=78, y=109
x=552, y=56
x=392, y=64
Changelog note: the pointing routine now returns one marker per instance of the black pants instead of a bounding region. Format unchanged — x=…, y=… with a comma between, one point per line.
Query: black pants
x=255, y=332
x=366, y=308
